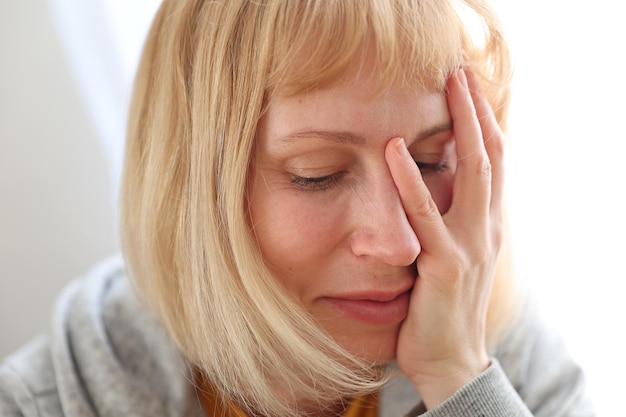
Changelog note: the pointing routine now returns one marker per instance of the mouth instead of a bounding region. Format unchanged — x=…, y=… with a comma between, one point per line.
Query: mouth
x=373, y=307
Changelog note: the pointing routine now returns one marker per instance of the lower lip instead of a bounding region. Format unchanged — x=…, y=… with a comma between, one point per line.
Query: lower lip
x=374, y=312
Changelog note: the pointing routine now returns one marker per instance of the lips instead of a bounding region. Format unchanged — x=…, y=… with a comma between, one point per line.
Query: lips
x=373, y=307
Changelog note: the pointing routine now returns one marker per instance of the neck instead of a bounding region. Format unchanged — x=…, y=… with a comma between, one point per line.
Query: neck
x=211, y=400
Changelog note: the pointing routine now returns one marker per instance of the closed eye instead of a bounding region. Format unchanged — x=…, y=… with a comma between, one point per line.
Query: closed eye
x=323, y=183
x=432, y=168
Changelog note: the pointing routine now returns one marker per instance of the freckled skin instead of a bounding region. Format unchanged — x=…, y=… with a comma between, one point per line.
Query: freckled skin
x=352, y=234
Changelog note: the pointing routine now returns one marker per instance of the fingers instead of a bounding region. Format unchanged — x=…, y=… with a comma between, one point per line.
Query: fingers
x=478, y=182
x=420, y=208
x=493, y=139
x=472, y=183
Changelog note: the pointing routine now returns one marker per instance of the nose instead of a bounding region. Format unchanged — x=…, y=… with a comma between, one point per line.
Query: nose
x=381, y=228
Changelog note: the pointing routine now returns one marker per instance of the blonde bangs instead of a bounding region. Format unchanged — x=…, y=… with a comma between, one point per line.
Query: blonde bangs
x=417, y=43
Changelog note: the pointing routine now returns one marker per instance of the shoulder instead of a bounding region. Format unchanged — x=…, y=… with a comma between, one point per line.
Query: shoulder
x=27, y=386
x=28, y=377
x=538, y=364
x=103, y=354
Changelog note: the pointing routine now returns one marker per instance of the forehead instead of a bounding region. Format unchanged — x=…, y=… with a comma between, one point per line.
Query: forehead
x=349, y=107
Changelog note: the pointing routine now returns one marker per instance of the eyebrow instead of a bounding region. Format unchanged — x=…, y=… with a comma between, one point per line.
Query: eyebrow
x=434, y=131
x=348, y=138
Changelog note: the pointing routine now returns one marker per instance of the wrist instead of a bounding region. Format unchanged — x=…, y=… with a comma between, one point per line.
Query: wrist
x=444, y=380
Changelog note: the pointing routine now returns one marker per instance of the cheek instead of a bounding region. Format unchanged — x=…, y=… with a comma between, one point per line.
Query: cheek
x=440, y=188
x=295, y=235
x=441, y=185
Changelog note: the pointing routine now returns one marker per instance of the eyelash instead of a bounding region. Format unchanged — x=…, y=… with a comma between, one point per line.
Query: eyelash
x=432, y=168
x=324, y=183
x=327, y=182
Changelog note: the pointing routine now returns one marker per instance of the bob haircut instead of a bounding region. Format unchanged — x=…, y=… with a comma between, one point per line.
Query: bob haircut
x=208, y=71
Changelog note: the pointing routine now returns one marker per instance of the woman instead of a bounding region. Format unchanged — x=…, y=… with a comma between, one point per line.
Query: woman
x=312, y=210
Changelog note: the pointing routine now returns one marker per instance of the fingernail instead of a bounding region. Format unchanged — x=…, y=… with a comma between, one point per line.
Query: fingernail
x=401, y=147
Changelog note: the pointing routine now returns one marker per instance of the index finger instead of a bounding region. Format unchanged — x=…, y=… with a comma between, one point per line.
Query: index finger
x=421, y=209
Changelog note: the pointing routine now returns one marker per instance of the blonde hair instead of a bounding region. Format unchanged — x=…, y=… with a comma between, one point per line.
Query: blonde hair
x=208, y=71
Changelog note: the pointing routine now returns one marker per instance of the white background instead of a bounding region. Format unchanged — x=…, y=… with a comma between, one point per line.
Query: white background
x=65, y=74
x=569, y=178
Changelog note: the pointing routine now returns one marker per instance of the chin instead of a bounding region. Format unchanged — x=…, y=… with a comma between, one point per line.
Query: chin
x=378, y=348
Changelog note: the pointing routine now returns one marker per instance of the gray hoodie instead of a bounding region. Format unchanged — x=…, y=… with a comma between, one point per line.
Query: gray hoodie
x=106, y=355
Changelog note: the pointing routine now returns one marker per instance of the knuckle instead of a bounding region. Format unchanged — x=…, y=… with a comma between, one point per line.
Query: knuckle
x=477, y=166
x=482, y=168
x=487, y=255
x=427, y=208
x=484, y=255
x=497, y=233
x=495, y=144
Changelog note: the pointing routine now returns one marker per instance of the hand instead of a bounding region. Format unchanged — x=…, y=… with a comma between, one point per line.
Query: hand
x=441, y=344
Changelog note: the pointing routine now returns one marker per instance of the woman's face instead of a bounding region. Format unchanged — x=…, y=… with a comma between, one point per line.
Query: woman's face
x=326, y=212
